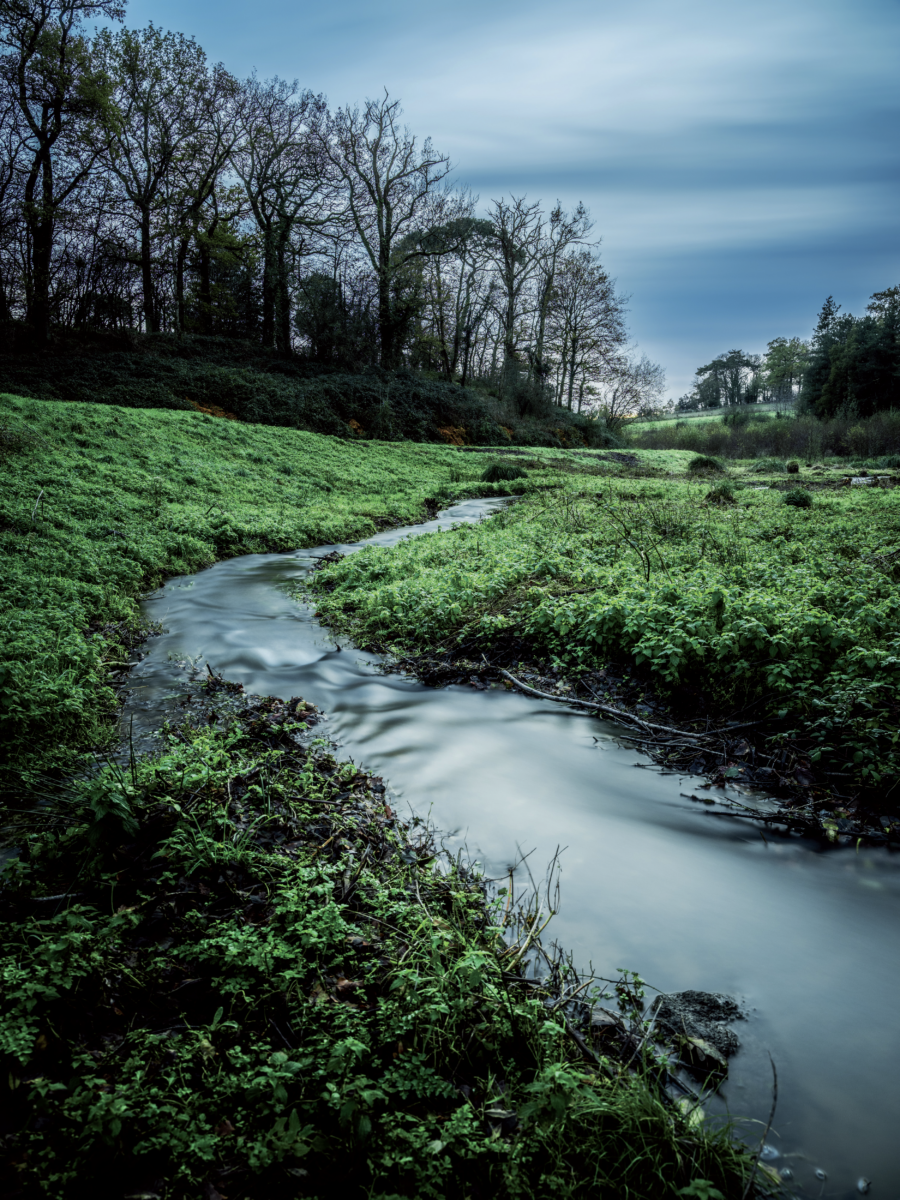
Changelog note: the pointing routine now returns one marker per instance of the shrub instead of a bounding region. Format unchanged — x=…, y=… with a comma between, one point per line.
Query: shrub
x=498, y=471
x=723, y=493
x=793, y=467
x=703, y=464
x=798, y=498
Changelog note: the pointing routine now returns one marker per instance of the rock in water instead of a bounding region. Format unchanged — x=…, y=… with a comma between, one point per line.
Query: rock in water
x=704, y=1016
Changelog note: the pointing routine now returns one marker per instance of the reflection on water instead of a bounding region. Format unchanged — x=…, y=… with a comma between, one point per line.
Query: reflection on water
x=808, y=941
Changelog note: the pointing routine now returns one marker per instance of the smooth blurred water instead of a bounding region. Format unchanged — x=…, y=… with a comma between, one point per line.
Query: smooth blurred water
x=808, y=941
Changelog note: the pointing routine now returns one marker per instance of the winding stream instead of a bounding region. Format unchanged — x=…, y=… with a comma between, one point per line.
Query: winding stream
x=808, y=941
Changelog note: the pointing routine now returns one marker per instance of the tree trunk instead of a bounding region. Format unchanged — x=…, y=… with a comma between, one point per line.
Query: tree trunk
x=150, y=322
x=385, y=321
x=268, y=290
x=180, y=259
x=204, y=292
x=40, y=231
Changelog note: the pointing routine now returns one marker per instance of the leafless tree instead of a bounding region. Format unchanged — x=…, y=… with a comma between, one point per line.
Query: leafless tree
x=388, y=178
x=47, y=70
x=278, y=160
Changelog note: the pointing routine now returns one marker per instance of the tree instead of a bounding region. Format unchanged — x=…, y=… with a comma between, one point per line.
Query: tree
x=48, y=71
x=563, y=231
x=388, y=179
x=785, y=365
x=587, y=323
x=516, y=253
x=279, y=162
x=153, y=122
x=728, y=378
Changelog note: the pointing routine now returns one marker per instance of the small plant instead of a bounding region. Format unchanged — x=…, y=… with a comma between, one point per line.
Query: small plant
x=723, y=493
x=498, y=471
x=798, y=498
x=704, y=465
x=793, y=467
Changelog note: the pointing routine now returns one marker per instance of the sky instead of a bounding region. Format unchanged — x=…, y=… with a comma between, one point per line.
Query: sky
x=740, y=160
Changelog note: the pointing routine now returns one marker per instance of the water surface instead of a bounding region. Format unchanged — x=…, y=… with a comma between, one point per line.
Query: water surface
x=808, y=941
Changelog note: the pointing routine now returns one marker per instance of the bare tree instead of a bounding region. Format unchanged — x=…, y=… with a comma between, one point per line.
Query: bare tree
x=48, y=70
x=388, y=179
x=278, y=160
x=587, y=320
x=516, y=253
x=563, y=230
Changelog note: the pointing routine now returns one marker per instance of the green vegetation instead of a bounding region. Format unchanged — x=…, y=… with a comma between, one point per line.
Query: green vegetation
x=769, y=609
x=231, y=967
x=798, y=498
x=703, y=464
x=499, y=470
x=262, y=387
x=804, y=438
x=100, y=504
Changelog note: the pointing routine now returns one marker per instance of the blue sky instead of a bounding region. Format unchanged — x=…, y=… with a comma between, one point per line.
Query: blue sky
x=740, y=160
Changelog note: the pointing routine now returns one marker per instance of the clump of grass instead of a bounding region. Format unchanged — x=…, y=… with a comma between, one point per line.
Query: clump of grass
x=793, y=467
x=703, y=464
x=15, y=438
x=798, y=498
x=723, y=493
x=500, y=471
x=767, y=466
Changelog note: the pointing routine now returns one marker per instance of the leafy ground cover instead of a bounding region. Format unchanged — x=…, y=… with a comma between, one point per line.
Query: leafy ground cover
x=262, y=386
x=100, y=503
x=708, y=589
x=229, y=971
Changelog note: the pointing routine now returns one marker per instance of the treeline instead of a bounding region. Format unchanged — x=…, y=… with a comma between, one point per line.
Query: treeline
x=854, y=362
x=849, y=368
x=736, y=377
x=146, y=189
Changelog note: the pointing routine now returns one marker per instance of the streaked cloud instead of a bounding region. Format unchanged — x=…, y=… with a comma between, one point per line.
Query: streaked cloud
x=741, y=160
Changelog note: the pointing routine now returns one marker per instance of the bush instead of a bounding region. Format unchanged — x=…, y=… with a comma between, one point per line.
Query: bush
x=722, y=494
x=703, y=464
x=793, y=467
x=798, y=498
x=498, y=471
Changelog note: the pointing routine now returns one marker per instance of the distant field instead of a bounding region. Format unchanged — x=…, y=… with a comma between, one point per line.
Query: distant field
x=715, y=414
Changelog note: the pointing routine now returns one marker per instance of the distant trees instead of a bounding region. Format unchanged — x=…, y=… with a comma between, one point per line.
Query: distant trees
x=854, y=362
x=144, y=188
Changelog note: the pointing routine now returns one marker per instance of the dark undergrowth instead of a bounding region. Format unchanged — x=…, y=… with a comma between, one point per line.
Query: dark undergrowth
x=263, y=387
x=230, y=971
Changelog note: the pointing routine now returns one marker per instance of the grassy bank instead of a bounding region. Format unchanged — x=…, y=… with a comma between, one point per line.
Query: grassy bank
x=713, y=588
x=260, y=386
x=230, y=970
x=101, y=503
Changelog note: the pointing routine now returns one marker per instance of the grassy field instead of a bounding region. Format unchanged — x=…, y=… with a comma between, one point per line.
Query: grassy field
x=101, y=503
x=710, y=580
x=228, y=970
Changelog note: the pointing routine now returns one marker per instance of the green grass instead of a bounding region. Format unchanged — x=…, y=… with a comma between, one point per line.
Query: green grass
x=101, y=503
x=265, y=986
x=793, y=611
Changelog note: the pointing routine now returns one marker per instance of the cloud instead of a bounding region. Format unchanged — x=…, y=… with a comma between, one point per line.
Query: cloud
x=741, y=160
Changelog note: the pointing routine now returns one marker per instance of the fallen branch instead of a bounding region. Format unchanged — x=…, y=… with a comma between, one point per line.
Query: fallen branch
x=621, y=715
x=618, y=713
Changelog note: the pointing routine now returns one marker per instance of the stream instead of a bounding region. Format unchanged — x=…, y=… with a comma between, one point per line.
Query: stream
x=807, y=940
